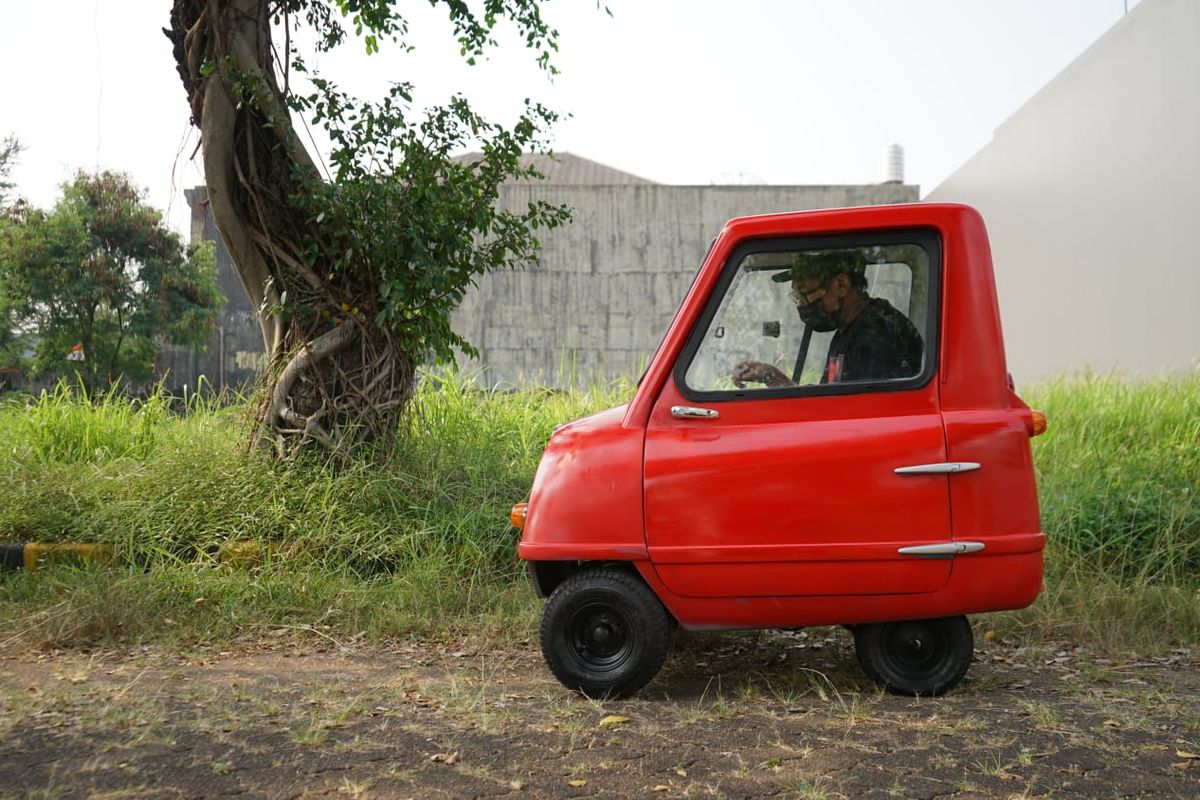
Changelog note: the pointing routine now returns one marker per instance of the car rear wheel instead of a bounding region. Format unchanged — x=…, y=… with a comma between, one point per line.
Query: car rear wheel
x=918, y=657
x=604, y=633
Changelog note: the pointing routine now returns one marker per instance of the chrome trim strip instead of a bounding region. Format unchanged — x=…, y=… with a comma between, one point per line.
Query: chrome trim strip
x=942, y=549
x=941, y=468
x=693, y=412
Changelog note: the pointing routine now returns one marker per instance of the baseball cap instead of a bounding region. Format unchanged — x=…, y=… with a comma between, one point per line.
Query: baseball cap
x=822, y=264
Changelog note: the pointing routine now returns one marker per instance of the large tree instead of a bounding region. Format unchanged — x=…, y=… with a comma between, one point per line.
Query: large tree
x=354, y=272
x=98, y=283
x=10, y=150
x=10, y=339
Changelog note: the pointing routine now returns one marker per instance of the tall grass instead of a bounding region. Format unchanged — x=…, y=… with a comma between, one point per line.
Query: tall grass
x=61, y=427
x=415, y=535
x=173, y=488
x=1119, y=475
x=187, y=605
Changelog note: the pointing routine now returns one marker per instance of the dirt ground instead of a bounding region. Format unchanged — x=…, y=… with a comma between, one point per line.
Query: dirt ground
x=768, y=715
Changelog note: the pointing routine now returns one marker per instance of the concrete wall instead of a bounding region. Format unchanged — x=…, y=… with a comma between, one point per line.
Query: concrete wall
x=607, y=285
x=233, y=355
x=594, y=307
x=1091, y=193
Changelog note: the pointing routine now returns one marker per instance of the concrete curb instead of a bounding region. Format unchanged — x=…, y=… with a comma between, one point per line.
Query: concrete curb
x=32, y=555
x=234, y=554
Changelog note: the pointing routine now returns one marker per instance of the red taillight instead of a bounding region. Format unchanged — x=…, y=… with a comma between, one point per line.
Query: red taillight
x=517, y=515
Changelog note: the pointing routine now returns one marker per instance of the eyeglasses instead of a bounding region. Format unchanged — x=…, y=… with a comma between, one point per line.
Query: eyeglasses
x=801, y=297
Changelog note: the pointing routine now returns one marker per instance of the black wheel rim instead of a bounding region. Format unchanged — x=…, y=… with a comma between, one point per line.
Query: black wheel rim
x=600, y=637
x=914, y=650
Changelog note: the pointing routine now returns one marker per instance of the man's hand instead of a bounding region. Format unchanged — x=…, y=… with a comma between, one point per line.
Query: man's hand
x=758, y=372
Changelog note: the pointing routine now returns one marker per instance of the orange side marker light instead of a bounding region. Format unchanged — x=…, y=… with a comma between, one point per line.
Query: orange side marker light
x=1039, y=423
x=517, y=515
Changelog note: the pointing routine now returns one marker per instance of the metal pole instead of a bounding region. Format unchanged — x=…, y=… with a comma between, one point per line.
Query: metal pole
x=221, y=357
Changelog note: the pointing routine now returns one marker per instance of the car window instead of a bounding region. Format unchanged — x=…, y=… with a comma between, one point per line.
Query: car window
x=822, y=316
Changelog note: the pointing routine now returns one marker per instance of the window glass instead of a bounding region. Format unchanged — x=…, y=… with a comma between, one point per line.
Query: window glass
x=809, y=317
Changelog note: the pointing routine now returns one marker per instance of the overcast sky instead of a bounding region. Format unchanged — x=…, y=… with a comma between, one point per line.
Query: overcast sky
x=697, y=92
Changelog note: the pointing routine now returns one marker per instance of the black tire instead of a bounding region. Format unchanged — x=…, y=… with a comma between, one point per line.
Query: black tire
x=922, y=657
x=604, y=633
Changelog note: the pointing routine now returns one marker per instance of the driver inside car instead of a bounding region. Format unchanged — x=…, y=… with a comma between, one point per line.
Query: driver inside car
x=872, y=339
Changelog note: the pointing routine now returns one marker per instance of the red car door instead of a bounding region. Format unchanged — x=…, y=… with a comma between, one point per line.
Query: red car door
x=796, y=491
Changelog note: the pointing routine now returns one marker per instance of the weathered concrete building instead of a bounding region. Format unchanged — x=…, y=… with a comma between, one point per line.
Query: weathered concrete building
x=606, y=286
x=1091, y=193
x=598, y=300
x=234, y=353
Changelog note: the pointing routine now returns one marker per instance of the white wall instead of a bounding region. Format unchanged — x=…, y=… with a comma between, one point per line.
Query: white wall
x=1091, y=194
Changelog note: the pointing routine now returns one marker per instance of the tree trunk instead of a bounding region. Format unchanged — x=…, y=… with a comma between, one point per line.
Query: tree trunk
x=334, y=377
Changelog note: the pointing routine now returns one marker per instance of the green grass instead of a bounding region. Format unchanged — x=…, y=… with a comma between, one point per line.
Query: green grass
x=187, y=606
x=1108, y=617
x=168, y=488
x=60, y=427
x=411, y=540
x=1118, y=477
x=415, y=539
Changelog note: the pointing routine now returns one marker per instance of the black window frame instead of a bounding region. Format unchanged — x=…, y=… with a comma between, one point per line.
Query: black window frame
x=928, y=239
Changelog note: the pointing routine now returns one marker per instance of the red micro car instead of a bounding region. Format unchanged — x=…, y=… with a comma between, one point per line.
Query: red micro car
x=827, y=435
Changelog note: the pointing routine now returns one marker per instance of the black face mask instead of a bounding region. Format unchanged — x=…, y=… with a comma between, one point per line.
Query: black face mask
x=816, y=317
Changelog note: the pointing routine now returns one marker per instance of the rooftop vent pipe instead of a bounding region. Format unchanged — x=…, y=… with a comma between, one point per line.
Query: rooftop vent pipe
x=889, y=167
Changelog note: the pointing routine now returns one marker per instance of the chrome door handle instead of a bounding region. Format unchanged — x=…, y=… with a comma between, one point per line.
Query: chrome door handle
x=946, y=550
x=692, y=412
x=941, y=468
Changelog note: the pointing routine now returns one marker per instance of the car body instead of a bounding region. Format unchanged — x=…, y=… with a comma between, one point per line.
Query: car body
x=817, y=503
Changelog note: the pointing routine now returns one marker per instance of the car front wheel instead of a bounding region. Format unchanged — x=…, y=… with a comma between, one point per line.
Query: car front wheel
x=604, y=633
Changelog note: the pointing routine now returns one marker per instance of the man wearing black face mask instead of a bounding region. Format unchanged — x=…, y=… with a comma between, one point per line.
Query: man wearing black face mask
x=873, y=341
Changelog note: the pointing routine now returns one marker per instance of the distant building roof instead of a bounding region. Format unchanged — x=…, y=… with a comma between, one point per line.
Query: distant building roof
x=565, y=169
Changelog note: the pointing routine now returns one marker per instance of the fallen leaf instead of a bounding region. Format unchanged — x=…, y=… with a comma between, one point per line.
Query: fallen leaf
x=1182, y=765
x=445, y=758
x=577, y=783
x=1186, y=754
x=613, y=720
x=1111, y=723
x=661, y=788
x=681, y=772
